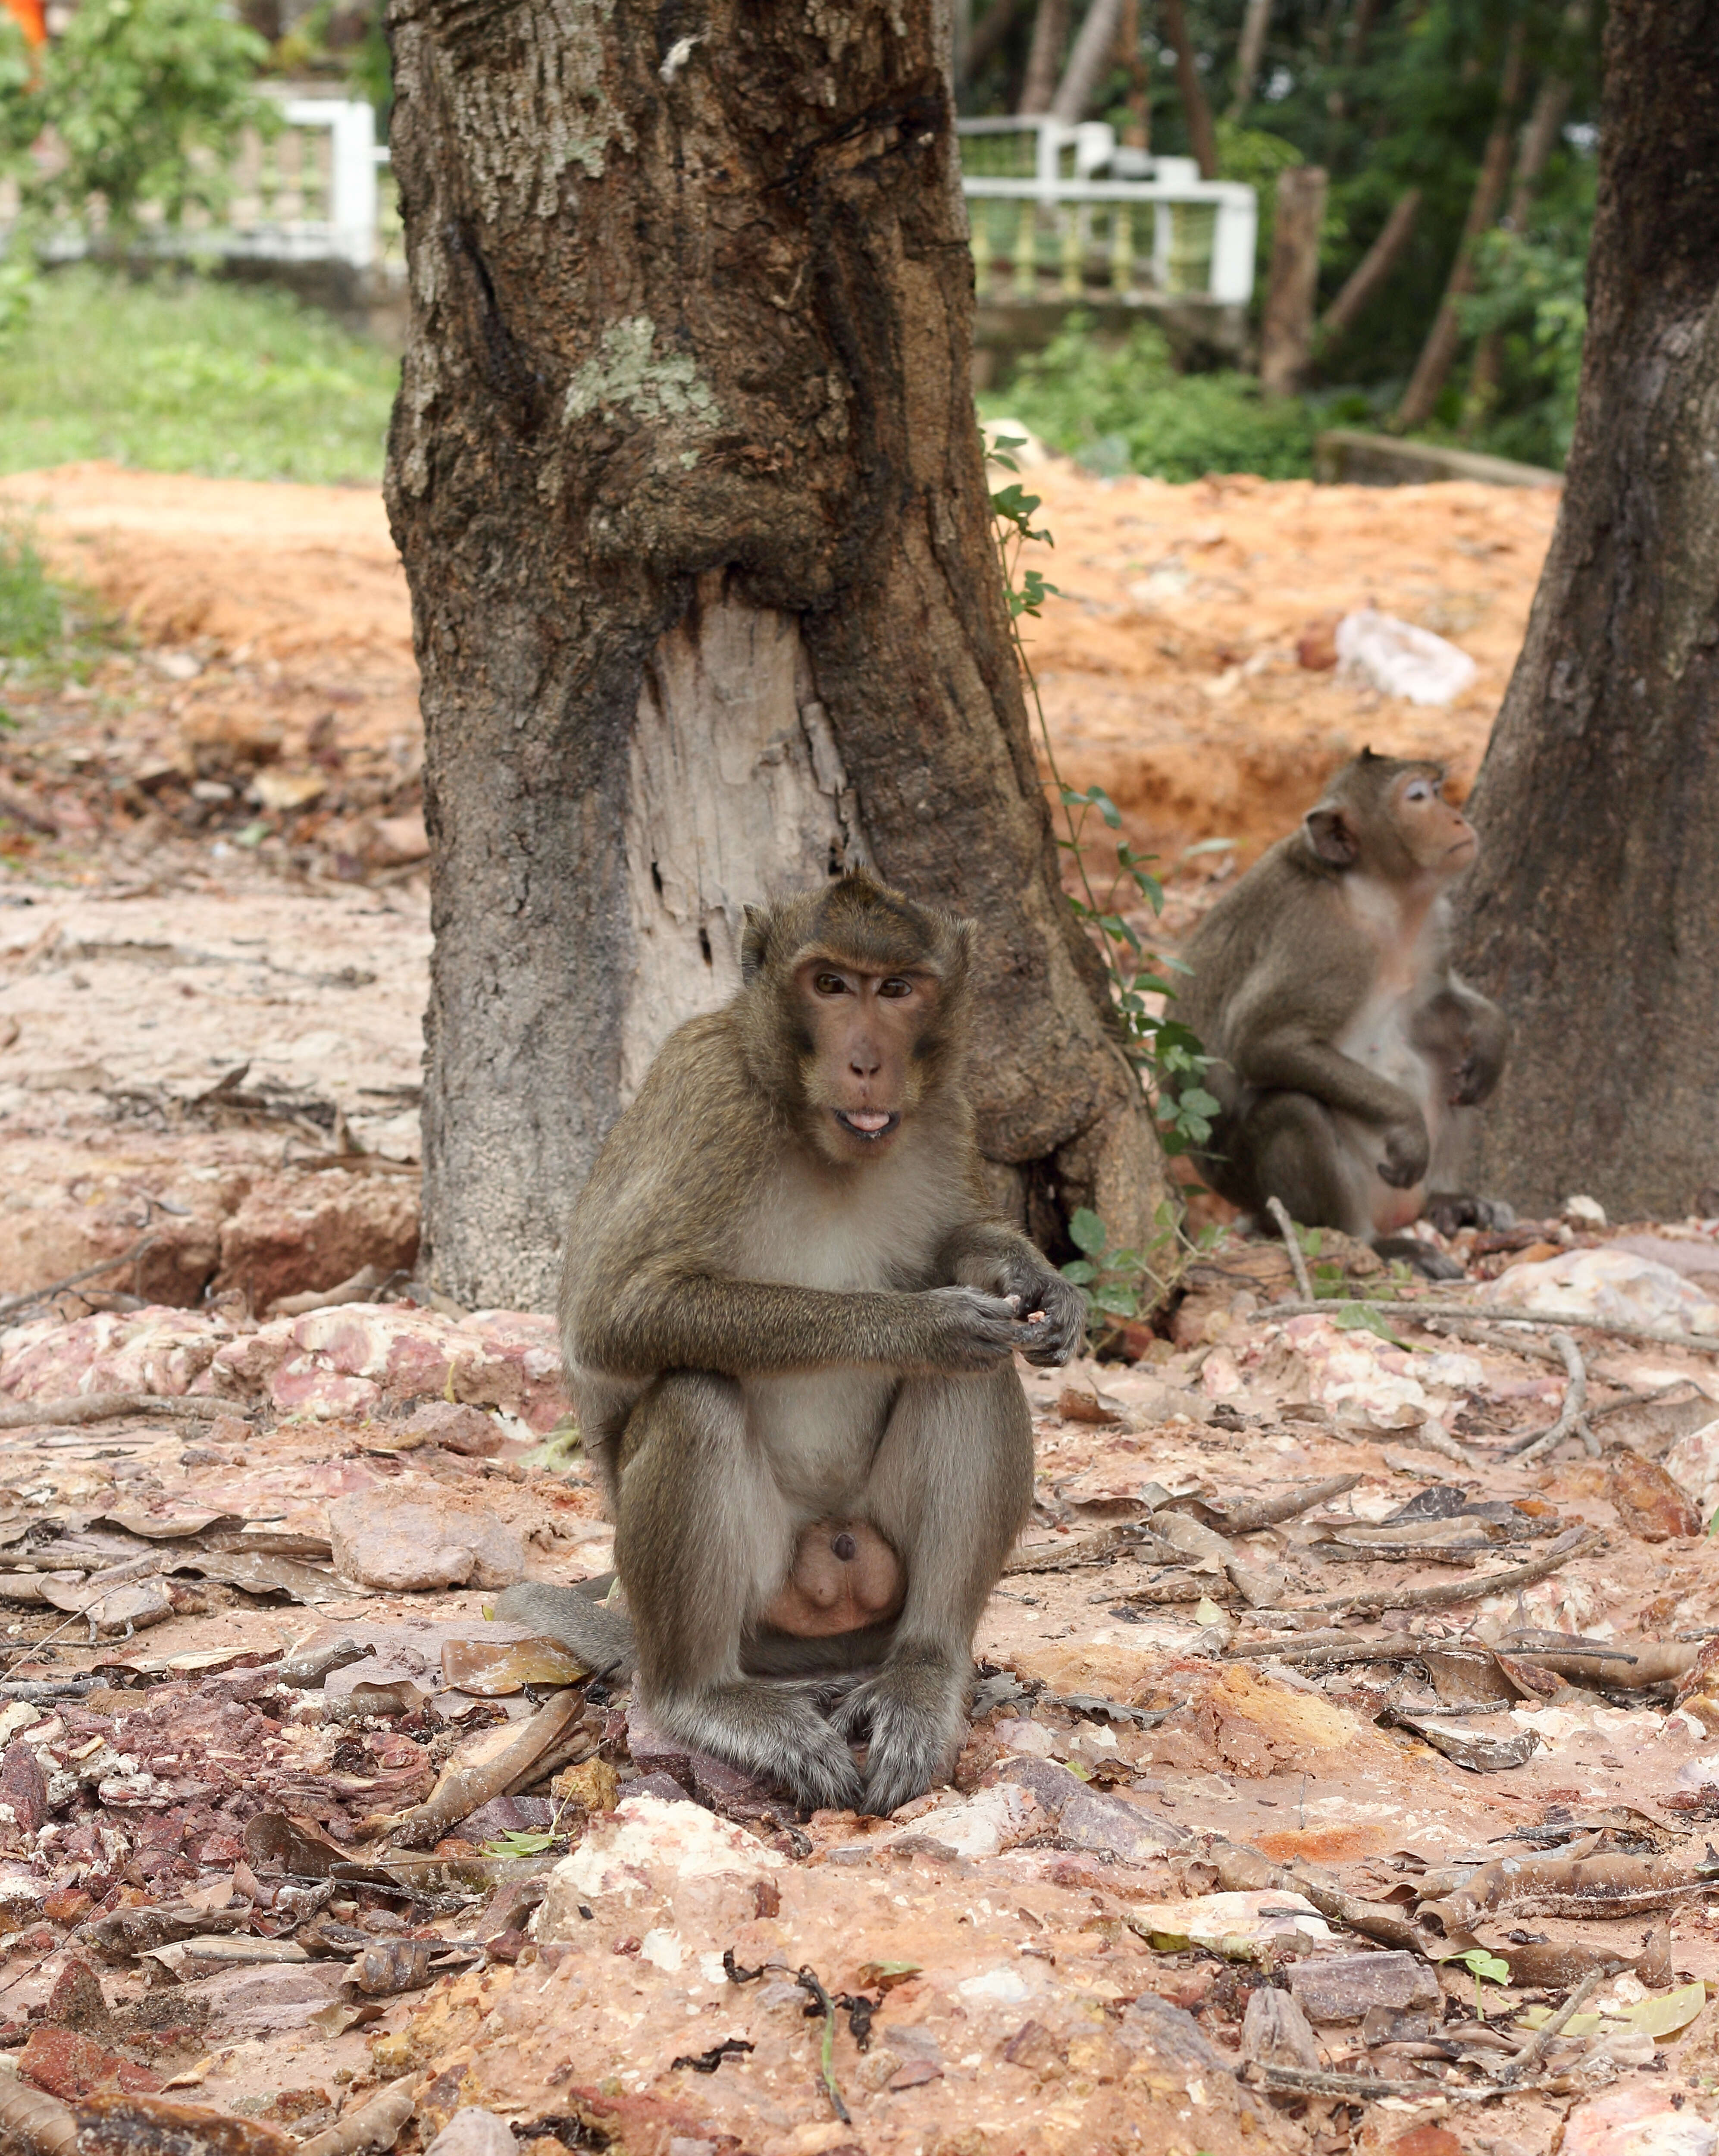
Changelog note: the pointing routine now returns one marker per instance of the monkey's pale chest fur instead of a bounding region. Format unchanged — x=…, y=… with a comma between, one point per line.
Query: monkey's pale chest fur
x=1411, y=943
x=877, y=1226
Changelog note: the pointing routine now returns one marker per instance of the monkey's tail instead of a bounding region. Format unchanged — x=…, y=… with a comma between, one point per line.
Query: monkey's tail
x=601, y=1638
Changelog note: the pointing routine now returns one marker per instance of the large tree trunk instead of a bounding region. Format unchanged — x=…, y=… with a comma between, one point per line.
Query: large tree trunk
x=686, y=478
x=1594, y=914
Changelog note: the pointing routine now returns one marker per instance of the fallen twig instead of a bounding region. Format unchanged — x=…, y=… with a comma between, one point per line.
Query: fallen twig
x=1243, y=1869
x=1571, y=1416
x=1103, y=1547
x=1298, y=1265
x=1243, y=1519
x=104, y=1407
x=1573, y=1542
x=1293, y=1645
x=1314, y=2081
x=74, y=1280
x=462, y=1788
x=1488, y=1335
x=1411, y=1313
x=1535, y=2049
x=1186, y=1589
x=377, y=2124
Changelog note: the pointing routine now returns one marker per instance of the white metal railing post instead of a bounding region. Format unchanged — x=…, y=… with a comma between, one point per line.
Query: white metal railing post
x=1183, y=208
x=1234, y=243
x=352, y=193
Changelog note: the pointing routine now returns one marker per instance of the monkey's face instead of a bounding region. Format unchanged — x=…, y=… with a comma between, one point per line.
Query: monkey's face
x=859, y=1066
x=1439, y=838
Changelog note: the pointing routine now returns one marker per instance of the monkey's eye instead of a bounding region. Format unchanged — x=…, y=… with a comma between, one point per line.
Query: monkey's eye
x=1419, y=789
x=895, y=986
x=829, y=984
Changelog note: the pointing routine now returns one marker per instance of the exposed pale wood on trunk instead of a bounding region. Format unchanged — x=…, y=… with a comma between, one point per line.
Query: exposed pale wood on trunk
x=685, y=476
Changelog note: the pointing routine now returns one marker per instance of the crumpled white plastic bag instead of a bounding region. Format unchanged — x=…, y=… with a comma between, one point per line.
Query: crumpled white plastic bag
x=1401, y=660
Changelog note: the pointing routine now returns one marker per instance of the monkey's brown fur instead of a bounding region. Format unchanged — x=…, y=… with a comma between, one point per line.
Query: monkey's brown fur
x=1351, y=1056
x=785, y=1302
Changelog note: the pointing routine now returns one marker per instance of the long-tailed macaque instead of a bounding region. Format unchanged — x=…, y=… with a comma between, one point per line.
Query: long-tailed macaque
x=1351, y=1057
x=789, y=1322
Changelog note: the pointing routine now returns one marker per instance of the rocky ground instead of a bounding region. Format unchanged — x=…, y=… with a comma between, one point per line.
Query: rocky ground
x=1328, y=1744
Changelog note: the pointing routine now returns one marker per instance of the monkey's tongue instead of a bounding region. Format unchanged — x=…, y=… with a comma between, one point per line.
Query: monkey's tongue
x=870, y=1121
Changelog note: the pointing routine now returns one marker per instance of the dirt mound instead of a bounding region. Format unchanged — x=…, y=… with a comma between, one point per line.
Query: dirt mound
x=1174, y=664
x=261, y=570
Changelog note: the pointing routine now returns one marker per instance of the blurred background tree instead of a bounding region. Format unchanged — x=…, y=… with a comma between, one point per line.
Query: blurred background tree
x=1459, y=138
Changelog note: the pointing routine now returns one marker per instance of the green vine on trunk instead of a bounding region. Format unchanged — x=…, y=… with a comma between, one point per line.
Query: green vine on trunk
x=1165, y=1052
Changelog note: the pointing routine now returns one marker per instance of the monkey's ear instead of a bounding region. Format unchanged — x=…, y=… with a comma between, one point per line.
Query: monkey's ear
x=753, y=937
x=1330, y=837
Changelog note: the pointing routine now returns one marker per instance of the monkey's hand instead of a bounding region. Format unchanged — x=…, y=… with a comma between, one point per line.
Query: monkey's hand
x=1407, y=1152
x=1054, y=1311
x=971, y=1332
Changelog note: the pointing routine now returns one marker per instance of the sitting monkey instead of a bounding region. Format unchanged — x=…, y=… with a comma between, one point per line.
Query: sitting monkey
x=790, y=1320
x=1350, y=1057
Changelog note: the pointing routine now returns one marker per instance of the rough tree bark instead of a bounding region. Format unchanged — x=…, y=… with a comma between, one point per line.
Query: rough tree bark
x=686, y=478
x=1594, y=912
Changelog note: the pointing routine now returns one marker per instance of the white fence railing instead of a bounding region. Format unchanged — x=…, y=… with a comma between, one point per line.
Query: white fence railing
x=1064, y=212
x=1057, y=211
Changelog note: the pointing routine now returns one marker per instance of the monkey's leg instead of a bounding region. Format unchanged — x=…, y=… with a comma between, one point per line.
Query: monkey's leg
x=950, y=1487
x=703, y=1538
x=1296, y=1154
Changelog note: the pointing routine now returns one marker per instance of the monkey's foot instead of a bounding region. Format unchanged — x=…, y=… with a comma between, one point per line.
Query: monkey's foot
x=773, y=1729
x=913, y=1711
x=1420, y=1257
x=1450, y=1209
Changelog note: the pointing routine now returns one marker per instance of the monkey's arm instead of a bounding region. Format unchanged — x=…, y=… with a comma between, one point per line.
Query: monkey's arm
x=674, y=1320
x=1486, y=1037
x=984, y=1254
x=1293, y=1060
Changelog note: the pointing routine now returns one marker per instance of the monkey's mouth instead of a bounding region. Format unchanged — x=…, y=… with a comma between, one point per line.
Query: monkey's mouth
x=868, y=1123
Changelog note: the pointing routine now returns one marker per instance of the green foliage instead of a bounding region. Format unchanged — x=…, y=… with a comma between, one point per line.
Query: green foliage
x=1386, y=99
x=1167, y=1052
x=32, y=606
x=1529, y=291
x=180, y=373
x=1110, y=1278
x=1123, y=407
x=148, y=99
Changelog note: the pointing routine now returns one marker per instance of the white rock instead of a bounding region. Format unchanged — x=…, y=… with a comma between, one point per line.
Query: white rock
x=1583, y=1212
x=474, y=2133
x=644, y=1845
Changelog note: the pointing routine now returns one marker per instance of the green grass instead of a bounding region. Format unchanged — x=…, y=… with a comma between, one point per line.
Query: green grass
x=183, y=374
x=32, y=611
x=1122, y=407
